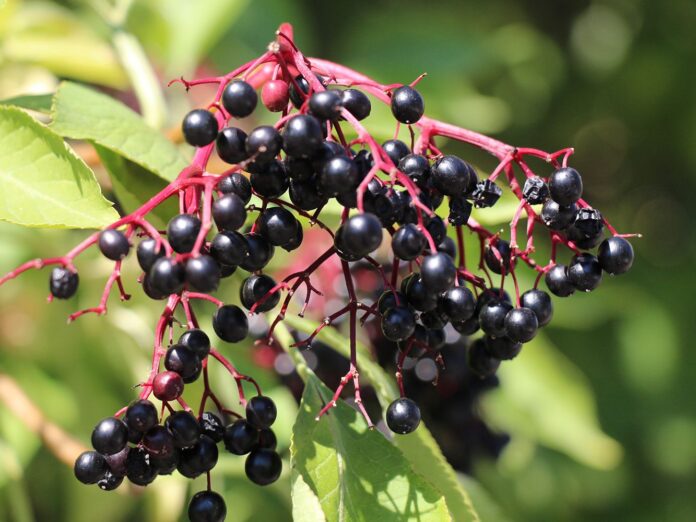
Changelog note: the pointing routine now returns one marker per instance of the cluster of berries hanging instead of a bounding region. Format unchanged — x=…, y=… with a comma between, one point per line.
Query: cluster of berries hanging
x=318, y=150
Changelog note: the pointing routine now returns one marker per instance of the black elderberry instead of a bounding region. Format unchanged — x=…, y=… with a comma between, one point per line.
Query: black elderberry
x=535, y=190
x=356, y=103
x=158, y=441
x=199, y=127
x=450, y=175
x=267, y=439
x=165, y=465
x=521, y=325
x=254, y=288
x=297, y=96
x=90, y=467
x=501, y=261
x=270, y=180
x=416, y=167
x=585, y=272
x=437, y=229
x=240, y=437
x=109, y=481
x=408, y=242
x=230, y=323
x=436, y=338
x=203, y=273
x=434, y=319
x=199, y=458
x=615, y=255
x=396, y=150
x=207, y=506
x=212, y=426
x=492, y=317
x=398, y=323
x=457, y=304
x=389, y=300
x=565, y=186
x=261, y=412
x=167, y=276
x=338, y=175
x=231, y=145
x=438, y=272
x=302, y=136
x=419, y=296
x=448, y=247
x=360, y=235
x=467, y=327
x=229, y=212
x=299, y=169
x=459, y=211
x=239, y=98
x=141, y=415
x=229, y=248
x=481, y=362
x=139, y=467
x=236, y=183
x=263, y=144
x=587, y=227
x=296, y=239
x=259, y=252
x=197, y=341
x=326, y=105
x=407, y=104
x=306, y=195
x=403, y=416
x=486, y=194
x=263, y=466
x=540, y=303
x=182, y=360
x=113, y=244
x=148, y=252
x=557, y=281
x=110, y=436
x=557, y=217
x=182, y=232
x=63, y=282
x=502, y=348
x=184, y=429
x=277, y=225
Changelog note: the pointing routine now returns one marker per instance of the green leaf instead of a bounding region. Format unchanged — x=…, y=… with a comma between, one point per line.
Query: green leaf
x=305, y=504
x=34, y=102
x=82, y=113
x=544, y=398
x=44, y=183
x=355, y=472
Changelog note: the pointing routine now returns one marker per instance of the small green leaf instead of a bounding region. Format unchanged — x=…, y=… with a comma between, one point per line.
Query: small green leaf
x=44, y=183
x=355, y=472
x=84, y=114
x=34, y=102
x=305, y=504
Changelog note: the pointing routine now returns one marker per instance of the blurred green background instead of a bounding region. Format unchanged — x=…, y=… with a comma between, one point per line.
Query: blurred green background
x=612, y=78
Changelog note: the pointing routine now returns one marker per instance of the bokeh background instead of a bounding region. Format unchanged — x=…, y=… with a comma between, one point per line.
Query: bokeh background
x=601, y=411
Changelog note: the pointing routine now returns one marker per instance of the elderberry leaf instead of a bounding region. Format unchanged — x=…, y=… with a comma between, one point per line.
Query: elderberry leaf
x=305, y=504
x=35, y=102
x=45, y=184
x=84, y=114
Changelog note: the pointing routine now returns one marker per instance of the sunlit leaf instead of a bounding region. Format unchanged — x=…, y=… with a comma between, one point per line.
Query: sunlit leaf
x=37, y=102
x=305, y=504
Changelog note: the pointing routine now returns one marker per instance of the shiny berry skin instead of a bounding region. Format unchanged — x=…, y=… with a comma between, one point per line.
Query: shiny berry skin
x=231, y=145
x=113, y=244
x=259, y=253
x=502, y=348
x=457, y=304
x=437, y=229
x=159, y=442
x=183, y=361
x=261, y=412
x=361, y=234
x=557, y=281
x=492, y=317
x=408, y=242
x=615, y=255
x=229, y=212
x=254, y=288
x=419, y=296
x=141, y=415
x=139, y=467
x=165, y=464
x=200, y=128
x=237, y=184
x=535, y=190
x=207, y=506
x=275, y=95
x=585, y=272
x=184, y=429
x=109, y=481
x=182, y=231
x=434, y=319
x=389, y=300
x=239, y=98
x=557, y=217
x=403, y=416
x=203, y=274
x=521, y=325
x=63, y=282
x=565, y=186
x=298, y=90
x=302, y=136
x=305, y=194
x=151, y=291
x=438, y=272
x=148, y=252
x=270, y=180
x=110, y=436
x=357, y=103
x=230, y=323
x=199, y=458
x=468, y=327
x=90, y=467
x=486, y=194
x=495, y=263
x=277, y=225
x=396, y=150
x=416, y=167
x=480, y=361
x=229, y=248
x=197, y=341
x=407, y=104
x=263, y=144
x=450, y=175
x=212, y=426
x=267, y=439
x=398, y=323
x=587, y=228
x=299, y=169
x=326, y=105
x=338, y=175
x=168, y=386
x=166, y=276
x=263, y=466
x=240, y=437
x=540, y=303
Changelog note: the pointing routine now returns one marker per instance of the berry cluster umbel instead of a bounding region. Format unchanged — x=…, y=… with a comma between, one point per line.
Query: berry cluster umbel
x=318, y=150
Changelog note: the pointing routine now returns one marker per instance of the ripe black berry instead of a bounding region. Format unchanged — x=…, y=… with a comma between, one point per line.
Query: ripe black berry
x=437, y=229
x=158, y=442
x=305, y=194
x=239, y=98
x=565, y=186
x=326, y=105
x=254, y=288
x=535, y=190
x=167, y=386
x=184, y=429
x=585, y=272
x=396, y=150
x=486, y=194
x=356, y=103
x=338, y=175
x=229, y=248
x=438, y=272
x=230, y=323
x=110, y=436
x=297, y=96
x=203, y=273
x=468, y=327
x=231, y=145
x=457, y=304
x=540, y=303
x=615, y=255
x=270, y=179
x=110, y=481
x=398, y=323
x=237, y=184
x=182, y=232
x=259, y=253
x=277, y=225
x=459, y=211
x=166, y=276
x=240, y=437
x=207, y=506
x=557, y=281
x=502, y=348
x=481, y=362
x=403, y=416
x=148, y=252
x=360, y=234
x=302, y=136
x=267, y=439
x=500, y=261
x=139, y=467
x=557, y=217
x=261, y=412
x=182, y=360
x=408, y=242
x=416, y=167
x=521, y=325
x=263, y=144
x=419, y=296
x=199, y=458
x=492, y=317
x=197, y=341
x=90, y=467
x=450, y=175
x=263, y=466
x=389, y=300
x=229, y=212
x=407, y=104
x=63, y=282
x=199, y=127
x=212, y=426
x=141, y=415
x=113, y=244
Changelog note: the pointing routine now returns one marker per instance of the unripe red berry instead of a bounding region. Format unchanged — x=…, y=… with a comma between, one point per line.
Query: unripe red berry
x=275, y=95
x=168, y=386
